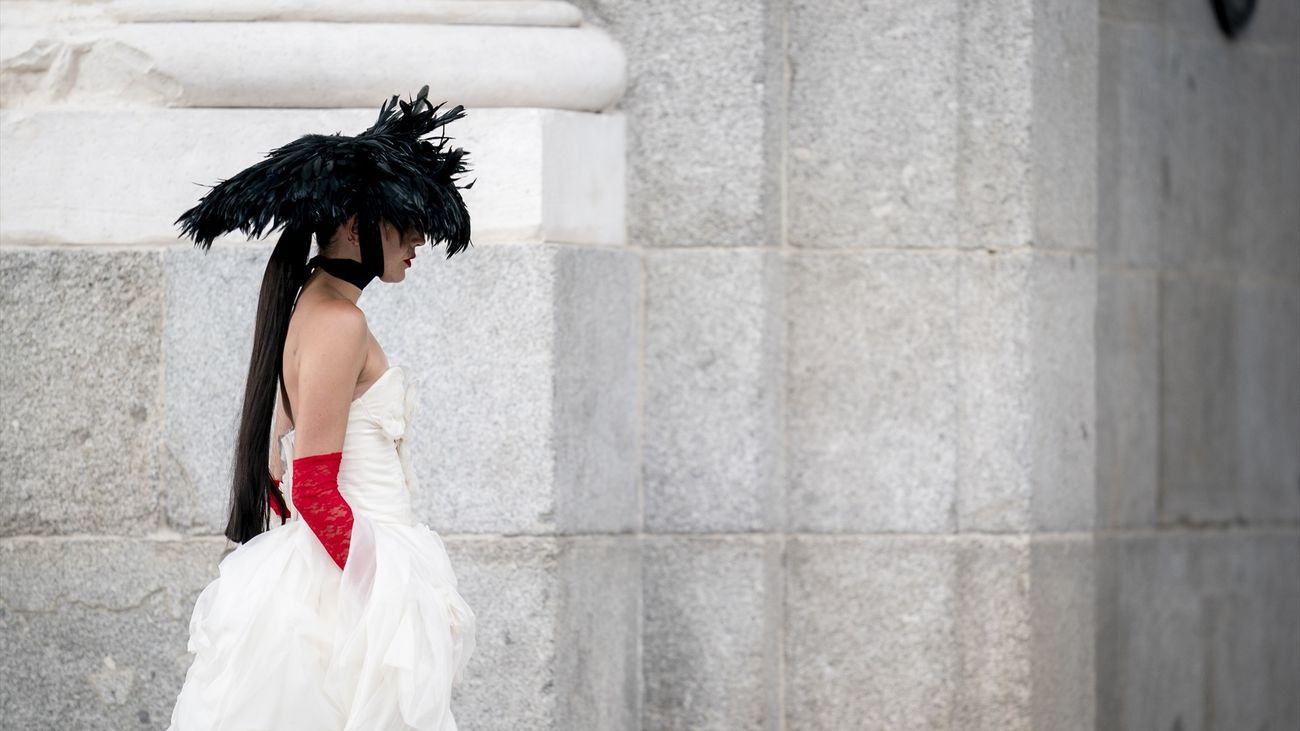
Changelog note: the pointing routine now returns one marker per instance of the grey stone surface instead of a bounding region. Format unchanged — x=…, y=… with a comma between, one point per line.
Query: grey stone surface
x=710, y=605
x=477, y=332
x=1148, y=11
x=557, y=632
x=714, y=337
x=1065, y=123
x=1233, y=158
x=1062, y=581
x=93, y=631
x=994, y=419
x=596, y=310
x=870, y=629
x=598, y=634
x=1249, y=634
x=1198, y=405
x=703, y=104
x=207, y=339
x=80, y=351
x=964, y=632
x=995, y=98
x=1202, y=155
x=1198, y=631
x=1026, y=362
x=872, y=145
x=993, y=630
x=1275, y=26
x=511, y=584
x=1128, y=390
x=871, y=391
x=1149, y=672
x=1268, y=139
x=1130, y=144
x=990, y=142
x=1062, y=292
x=1267, y=402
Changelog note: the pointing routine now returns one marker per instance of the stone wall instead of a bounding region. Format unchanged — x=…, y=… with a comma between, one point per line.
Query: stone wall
x=944, y=372
x=869, y=243
x=1198, y=380
x=124, y=351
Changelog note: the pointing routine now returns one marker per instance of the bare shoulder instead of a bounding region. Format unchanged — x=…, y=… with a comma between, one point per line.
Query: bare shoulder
x=335, y=327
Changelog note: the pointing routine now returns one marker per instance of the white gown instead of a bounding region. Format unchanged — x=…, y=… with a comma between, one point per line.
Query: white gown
x=283, y=639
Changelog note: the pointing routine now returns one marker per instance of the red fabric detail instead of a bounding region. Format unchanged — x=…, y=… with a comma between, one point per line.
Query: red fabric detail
x=275, y=504
x=316, y=493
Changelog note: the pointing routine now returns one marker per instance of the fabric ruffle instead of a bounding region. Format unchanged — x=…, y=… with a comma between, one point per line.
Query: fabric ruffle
x=284, y=640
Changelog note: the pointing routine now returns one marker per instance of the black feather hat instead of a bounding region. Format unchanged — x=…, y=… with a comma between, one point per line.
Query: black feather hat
x=312, y=185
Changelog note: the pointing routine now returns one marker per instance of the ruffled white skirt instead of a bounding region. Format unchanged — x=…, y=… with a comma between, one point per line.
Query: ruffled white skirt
x=283, y=640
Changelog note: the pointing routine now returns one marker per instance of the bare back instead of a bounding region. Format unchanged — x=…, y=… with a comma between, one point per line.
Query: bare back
x=317, y=318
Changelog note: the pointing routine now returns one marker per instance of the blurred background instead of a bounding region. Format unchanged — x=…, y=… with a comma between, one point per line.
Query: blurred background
x=925, y=364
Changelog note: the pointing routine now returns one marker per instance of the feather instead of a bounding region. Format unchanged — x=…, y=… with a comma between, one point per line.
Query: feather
x=397, y=170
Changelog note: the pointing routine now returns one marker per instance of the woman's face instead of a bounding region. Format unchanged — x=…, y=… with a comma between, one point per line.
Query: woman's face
x=399, y=247
x=399, y=251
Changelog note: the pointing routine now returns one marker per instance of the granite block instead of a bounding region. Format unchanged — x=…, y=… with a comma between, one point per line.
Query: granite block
x=598, y=634
x=714, y=333
x=872, y=149
x=1266, y=387
x=1128, y=391
x=870, y=632
x=1062, y=293
x=478, y=333
x=1198, y=630
x=1065, y=124
x=704, y=106
x=994, y=461
x=1130, y=144
x=710, y=606
x=1198, y=402
x=595, y=425
x=871, y=391
x=93, y=630
x=82, y=361
x=1062, y=580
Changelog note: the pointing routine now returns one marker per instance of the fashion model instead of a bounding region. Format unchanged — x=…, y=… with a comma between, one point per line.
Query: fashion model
x=340, y=609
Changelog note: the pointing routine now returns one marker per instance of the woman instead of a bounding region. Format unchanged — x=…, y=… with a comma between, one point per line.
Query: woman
x=341, y=612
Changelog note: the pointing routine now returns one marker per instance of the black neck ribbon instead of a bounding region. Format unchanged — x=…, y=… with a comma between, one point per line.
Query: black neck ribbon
x=349, y=270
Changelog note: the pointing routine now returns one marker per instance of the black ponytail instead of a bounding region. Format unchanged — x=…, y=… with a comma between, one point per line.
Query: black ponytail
x=251, y=485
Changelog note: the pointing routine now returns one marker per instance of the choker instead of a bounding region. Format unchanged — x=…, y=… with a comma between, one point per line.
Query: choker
x=349, y=270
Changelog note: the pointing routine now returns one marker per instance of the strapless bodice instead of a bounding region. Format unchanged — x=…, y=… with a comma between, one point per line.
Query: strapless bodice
x=375, y=473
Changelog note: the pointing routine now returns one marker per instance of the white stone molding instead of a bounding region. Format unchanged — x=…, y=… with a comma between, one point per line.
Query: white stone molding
x=447, y=12
x=466, y=52
x=541, y=175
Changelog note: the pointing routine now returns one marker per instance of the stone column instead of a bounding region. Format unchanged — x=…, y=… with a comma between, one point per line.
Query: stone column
x=1198, y=384
x=941, y=291
x=869, y=420
x=125, y=351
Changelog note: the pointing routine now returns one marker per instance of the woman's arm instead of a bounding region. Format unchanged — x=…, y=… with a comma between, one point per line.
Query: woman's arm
x=332, y=353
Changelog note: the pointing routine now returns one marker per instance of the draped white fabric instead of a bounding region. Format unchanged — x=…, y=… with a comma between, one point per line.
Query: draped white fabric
x=284, y=640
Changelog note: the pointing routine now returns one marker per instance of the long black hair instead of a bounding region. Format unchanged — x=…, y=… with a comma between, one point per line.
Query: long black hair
x=390, y=172
x=250, y=490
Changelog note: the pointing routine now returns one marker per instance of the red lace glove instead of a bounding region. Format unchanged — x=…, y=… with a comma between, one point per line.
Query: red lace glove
x=316, y=493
